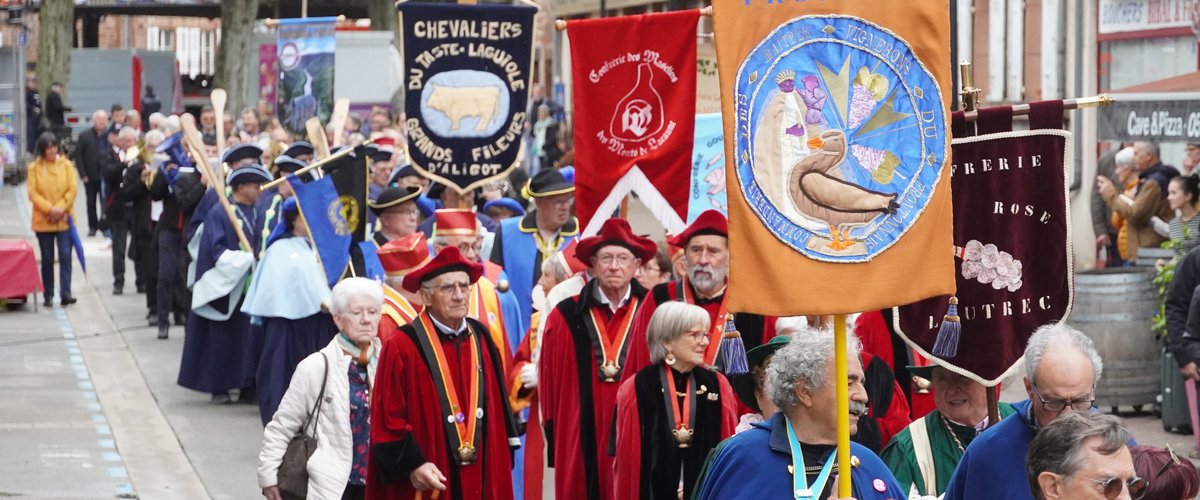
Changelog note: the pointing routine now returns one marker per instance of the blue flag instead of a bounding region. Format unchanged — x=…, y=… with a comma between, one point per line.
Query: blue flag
x=328, y=230
x=77, y=243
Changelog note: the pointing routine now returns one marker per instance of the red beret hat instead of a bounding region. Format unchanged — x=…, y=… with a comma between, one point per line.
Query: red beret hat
x=402, y=255
x=708, y=222
x=616, y=232
x=448, y=260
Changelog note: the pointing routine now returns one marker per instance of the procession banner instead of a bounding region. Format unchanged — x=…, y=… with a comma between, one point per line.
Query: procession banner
x=835, y=120
x=350, y=175
x=708, y=168
x=328, y=230
x=1012, y=244
x=635, y=111
x=466, y=89
x=305, y=86
x=268, y=72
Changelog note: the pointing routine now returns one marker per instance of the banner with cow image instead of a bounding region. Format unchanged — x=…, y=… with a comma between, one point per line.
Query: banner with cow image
x=466, y=86
x=635, y=110
x=1012, y=242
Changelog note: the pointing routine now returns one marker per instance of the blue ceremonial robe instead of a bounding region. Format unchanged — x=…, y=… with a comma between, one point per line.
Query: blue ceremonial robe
x=515, y=249
x=285, y=298
x=220, y=355
x=753, y=465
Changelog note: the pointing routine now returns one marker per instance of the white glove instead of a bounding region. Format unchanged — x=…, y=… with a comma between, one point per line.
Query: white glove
x=528, y=376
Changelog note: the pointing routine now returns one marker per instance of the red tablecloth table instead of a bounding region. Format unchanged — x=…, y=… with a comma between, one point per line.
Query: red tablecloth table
x=19, y=274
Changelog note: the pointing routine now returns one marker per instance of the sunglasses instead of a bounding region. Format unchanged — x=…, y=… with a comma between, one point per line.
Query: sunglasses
x=1112, y=486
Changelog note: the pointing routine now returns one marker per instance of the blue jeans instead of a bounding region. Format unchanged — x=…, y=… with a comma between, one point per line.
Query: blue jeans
x=46, y=244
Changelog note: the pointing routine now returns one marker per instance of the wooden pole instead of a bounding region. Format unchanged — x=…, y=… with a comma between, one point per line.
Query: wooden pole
x=319, y=163
x=842, y=375
x=993, y=406
x=195, y=145
x=219, y=98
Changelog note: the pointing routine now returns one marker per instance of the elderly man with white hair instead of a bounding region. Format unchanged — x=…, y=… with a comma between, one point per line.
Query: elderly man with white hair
x=1139, y=205
x=803, y=435
x=1062, y=368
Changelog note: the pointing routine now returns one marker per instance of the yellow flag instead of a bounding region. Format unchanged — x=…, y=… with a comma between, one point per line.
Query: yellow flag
x=836, y=119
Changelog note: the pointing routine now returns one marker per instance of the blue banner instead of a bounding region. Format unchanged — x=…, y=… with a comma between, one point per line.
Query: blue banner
x=328, y=230
x=708, y=168
x=466, y=89
x=305, y=87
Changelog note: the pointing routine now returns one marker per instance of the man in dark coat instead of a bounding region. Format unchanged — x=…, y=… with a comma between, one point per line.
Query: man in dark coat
x=179, y=189
x=88, y=160
x=113, y=163
x=55, y=110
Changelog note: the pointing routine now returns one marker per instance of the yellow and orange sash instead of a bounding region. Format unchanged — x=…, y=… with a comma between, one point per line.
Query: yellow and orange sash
x=396, y=307
x=461, y=423
x=610, y=350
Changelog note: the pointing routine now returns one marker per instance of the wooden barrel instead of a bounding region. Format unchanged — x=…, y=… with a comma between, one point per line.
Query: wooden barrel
x=1146, y=257
x=1114, y=308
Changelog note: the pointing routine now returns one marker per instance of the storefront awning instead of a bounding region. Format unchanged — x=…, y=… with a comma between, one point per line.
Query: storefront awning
x=1166, y=110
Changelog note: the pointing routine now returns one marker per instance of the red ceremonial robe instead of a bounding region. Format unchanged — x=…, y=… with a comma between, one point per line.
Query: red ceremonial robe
x=397, y=312
x=649, y=461
x=408, y=423
x=755, y=330
x=577, y=406
x=520, y=398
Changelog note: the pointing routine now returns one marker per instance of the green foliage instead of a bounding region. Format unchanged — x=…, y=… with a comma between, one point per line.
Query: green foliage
x=1162, y=282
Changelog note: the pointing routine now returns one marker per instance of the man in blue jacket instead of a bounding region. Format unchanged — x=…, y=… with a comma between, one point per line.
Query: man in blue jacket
x=1062, y=368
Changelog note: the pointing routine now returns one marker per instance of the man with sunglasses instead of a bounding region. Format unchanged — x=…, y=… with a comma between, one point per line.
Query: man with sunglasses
x=1061, y=371
x=1083, y=456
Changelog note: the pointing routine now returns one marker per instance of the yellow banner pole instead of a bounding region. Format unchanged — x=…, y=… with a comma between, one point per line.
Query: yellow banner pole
x=842, y=375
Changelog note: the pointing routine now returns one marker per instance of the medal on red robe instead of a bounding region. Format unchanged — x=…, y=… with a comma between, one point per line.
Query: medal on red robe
x=462, y=424
x=610, y=349
x=683, y=414
x=721, y=327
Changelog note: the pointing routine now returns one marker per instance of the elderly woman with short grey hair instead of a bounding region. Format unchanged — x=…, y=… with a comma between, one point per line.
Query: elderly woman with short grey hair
x=673, y=412
x=328, y=399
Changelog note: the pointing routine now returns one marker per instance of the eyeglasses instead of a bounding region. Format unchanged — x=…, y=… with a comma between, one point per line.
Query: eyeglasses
x=362, y=313
x=402, y=212
x=1112, y=486
x=450, y=288
x=1173, y=461
x=698, y=335
x=470, y=247
x=559, y=203
x=1058, y=405
x=621, y=259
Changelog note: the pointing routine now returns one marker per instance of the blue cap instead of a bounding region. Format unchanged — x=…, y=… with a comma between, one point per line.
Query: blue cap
x=248, y=174
x=505, y=202
x=298, y=148
x=242, y=152
x=288, y=164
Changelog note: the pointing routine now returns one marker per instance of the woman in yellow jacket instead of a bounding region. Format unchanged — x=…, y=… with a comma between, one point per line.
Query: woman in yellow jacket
x=53, y=182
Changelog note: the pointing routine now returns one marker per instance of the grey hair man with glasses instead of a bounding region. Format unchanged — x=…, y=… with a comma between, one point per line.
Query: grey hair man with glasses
x=1062, y=368
x=1083, y=456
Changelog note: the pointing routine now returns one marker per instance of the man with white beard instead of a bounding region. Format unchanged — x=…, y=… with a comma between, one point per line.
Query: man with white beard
x=706, y=249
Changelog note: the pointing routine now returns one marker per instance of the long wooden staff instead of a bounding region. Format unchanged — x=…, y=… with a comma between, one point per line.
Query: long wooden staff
x=219, y=98
x=316, y=135
x=341, y=109
x=319, y=163
x=195, y=145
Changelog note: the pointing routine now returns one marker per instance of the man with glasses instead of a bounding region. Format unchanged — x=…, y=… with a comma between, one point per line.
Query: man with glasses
x=440, y=421
x=583, y=356
x=1062, y=368
x=1083, y=456
x=705, y=244
x=398, y=215
x=521, y=244
x=491, y=301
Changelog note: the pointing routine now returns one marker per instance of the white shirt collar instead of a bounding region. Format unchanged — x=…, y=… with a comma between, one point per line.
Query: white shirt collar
x=447, y=330
x=603, y=299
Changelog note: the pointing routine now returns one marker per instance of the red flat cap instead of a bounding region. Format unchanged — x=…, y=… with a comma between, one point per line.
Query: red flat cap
x=455, y=222
x=448, y=260
x=708, y=222
x=616, y=232
x=401, y=255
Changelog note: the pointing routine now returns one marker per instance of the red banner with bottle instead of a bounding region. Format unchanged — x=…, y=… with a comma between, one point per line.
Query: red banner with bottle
x=635, y=104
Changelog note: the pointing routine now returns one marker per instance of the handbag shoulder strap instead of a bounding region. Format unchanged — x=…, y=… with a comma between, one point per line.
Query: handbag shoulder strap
x=315, y=413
